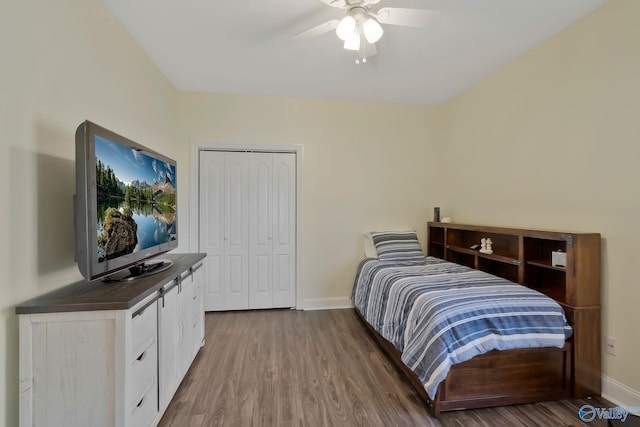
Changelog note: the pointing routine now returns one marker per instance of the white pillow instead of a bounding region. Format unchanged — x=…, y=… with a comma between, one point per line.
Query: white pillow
x=369, y=248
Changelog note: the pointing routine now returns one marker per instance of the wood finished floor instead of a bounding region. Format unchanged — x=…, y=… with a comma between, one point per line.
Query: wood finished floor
x=319, y=368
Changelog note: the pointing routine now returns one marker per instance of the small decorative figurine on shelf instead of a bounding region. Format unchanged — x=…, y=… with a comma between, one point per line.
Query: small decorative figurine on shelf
x=485, y=245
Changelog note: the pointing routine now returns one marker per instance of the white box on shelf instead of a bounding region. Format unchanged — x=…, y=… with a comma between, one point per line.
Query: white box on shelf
x=558, y=259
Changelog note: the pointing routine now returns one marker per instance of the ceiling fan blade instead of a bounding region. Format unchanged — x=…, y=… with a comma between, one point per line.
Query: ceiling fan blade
x=346, y=4
x=336, y=3
x=318, y=30
x=419, y=18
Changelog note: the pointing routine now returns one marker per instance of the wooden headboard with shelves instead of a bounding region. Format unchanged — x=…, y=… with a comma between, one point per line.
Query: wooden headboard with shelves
x=524, y=256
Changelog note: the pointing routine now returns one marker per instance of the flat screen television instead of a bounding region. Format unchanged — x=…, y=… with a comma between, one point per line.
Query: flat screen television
x=125, y=206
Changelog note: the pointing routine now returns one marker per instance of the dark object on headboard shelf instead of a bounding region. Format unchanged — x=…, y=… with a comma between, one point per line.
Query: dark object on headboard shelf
x=524, y=256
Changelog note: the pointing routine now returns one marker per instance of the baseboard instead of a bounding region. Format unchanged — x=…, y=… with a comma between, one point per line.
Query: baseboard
x=619, y=394
x=330, y=303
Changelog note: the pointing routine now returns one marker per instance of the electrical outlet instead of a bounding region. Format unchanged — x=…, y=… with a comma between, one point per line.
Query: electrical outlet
x=610, y=346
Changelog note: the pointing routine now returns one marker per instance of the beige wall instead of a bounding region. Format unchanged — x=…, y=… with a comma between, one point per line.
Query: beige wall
x=551, y=141
x=366, y=166
x=62, y=62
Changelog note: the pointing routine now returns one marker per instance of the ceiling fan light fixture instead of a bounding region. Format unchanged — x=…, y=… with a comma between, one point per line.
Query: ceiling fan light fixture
x=353, y=42
x=346, y=28
x=372, y=30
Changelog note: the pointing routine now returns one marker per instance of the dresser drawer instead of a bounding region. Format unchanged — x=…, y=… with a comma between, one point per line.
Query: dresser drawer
x=144, y=370
x=145, y=407
x=144, y=327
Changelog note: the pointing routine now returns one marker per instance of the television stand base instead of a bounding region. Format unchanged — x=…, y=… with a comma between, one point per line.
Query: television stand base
x=137, y=271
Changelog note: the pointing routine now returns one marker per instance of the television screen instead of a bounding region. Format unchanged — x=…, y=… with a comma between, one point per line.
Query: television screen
x=136, y=200
x=126, y=206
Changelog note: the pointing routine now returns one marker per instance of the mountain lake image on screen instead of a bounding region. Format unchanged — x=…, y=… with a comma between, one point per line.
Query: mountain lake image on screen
x=136, y=200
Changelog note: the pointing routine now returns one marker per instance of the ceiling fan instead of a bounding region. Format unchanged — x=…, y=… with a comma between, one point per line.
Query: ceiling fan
x=360, y=28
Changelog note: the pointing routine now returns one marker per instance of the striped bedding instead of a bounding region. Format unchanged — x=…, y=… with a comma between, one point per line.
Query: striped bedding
x=437, y=313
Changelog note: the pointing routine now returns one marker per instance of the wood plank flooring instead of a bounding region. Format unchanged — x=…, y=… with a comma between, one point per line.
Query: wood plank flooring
x=319, y=368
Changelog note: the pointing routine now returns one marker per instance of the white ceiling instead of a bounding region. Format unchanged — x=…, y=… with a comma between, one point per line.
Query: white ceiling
x=245, y=47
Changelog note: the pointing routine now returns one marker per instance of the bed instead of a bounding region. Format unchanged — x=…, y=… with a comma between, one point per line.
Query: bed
x=465, y=338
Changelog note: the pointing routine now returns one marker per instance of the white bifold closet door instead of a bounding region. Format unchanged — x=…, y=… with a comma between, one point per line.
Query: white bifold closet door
x=247, y=228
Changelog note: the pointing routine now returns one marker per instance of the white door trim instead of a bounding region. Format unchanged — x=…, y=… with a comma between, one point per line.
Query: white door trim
x=194, y=235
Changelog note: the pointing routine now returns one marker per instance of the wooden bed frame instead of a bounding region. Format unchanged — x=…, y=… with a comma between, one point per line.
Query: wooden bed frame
x=524, y=375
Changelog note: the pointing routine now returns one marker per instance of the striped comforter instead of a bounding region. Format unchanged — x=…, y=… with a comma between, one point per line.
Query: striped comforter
x=437, y=313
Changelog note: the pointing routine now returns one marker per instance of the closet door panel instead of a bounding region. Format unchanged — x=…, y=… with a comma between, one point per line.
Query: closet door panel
x=260, y=230
x=236, y=278
x=212, y=216
x=284, y=233
x=247, y=228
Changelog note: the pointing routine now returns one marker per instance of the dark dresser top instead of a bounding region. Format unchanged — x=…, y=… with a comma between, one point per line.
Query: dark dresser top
x=99, y=295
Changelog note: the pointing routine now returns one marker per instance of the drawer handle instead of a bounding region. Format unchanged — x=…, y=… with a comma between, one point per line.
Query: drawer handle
x=144, y=348
x=194, y=297
x=141, y=402
x=144, y=397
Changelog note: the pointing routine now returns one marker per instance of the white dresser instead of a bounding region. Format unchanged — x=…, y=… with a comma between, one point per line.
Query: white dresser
x=110, y=354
